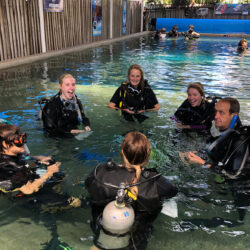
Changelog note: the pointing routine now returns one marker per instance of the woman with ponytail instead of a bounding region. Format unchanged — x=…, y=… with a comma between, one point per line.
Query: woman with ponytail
x=147, y=186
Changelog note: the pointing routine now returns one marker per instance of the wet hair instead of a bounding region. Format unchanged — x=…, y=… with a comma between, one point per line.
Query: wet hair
x=174, y=27
x=241, y=42
x=234, y=104
x=7, y=131
x=198, y=86
x=163, y=30
x=137, y=67
x=135, y=151
x=64, y=76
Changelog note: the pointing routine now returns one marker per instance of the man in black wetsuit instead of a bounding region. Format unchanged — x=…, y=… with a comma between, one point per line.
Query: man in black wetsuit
x=229, y=153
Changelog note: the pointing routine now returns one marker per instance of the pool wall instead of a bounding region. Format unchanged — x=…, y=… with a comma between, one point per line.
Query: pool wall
x=213, y=26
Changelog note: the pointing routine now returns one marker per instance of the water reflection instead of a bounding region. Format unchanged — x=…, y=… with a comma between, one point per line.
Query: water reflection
x=170, y=65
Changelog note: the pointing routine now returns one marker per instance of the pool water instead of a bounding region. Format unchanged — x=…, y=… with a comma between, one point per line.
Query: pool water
x=207, y=210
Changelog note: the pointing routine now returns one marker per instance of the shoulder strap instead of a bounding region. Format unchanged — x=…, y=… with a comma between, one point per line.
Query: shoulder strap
x=123, y=93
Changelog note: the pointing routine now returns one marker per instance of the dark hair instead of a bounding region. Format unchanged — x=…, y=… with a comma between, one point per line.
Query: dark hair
x=234, y=104
x=137, y=67
x=198, y=86
x=7, y=132
x=135, y=153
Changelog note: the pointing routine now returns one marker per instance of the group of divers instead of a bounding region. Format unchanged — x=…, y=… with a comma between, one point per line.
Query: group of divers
x=126, y=198
x=191, y=34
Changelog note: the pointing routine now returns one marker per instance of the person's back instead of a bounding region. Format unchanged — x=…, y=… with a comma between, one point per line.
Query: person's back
x=145, y=187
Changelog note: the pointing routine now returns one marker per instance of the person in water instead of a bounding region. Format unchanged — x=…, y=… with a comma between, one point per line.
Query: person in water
x=134, y=96
x=15, y=176
x=229, y=150
x=173, y=32
x=191, y=34
x=195, y=112
x=242, y=45
x=147, y=186
x=228, y=153
x=162, y=33
x=20, y=180
x=64, y=112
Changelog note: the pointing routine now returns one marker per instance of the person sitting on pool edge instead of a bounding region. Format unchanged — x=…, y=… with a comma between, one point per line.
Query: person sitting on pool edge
x=64, y=112
x=134, y=96
x=242, y=46
x=195, y=112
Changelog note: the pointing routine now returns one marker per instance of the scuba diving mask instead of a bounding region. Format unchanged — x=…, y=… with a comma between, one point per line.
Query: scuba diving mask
x=19, y=140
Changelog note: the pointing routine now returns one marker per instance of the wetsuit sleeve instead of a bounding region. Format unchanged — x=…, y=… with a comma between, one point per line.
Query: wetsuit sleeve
x=50, y=117
x=238, y=163
x=181, y=111
x=207, y=117
x=116, y=98
x=151, y=99
x=90, y=179
x=165, y=188
x=85, y=119
x=13, y=178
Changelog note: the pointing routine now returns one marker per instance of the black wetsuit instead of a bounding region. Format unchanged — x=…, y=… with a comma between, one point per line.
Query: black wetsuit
x=200, y=117
x=125, y=98
x=148, y=203
x=60, y=117
x=173, y=33
x=230, y=158
x=14, y=174
x=230, y=153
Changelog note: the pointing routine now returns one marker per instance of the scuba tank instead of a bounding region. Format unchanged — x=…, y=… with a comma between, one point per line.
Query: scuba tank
x=117, y=220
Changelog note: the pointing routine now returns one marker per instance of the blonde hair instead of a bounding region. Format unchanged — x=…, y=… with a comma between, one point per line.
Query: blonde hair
x=64, y=76
x=135, y=153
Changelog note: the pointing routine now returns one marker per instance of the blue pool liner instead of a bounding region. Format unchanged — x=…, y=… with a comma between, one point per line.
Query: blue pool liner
x=215, y=26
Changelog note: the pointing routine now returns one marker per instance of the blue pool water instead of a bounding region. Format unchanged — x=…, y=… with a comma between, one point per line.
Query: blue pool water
x=207, y=214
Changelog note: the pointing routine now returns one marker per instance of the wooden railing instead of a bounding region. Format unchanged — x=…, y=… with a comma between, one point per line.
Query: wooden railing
x=20, y=33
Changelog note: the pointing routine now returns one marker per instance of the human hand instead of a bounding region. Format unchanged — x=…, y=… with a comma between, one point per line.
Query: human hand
x=53, y=168
x=77, y=131
x=46, y=160
x=180, y=125
x=87, y=128
x=140, y=111
x=129, y=111
x=193, y=158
